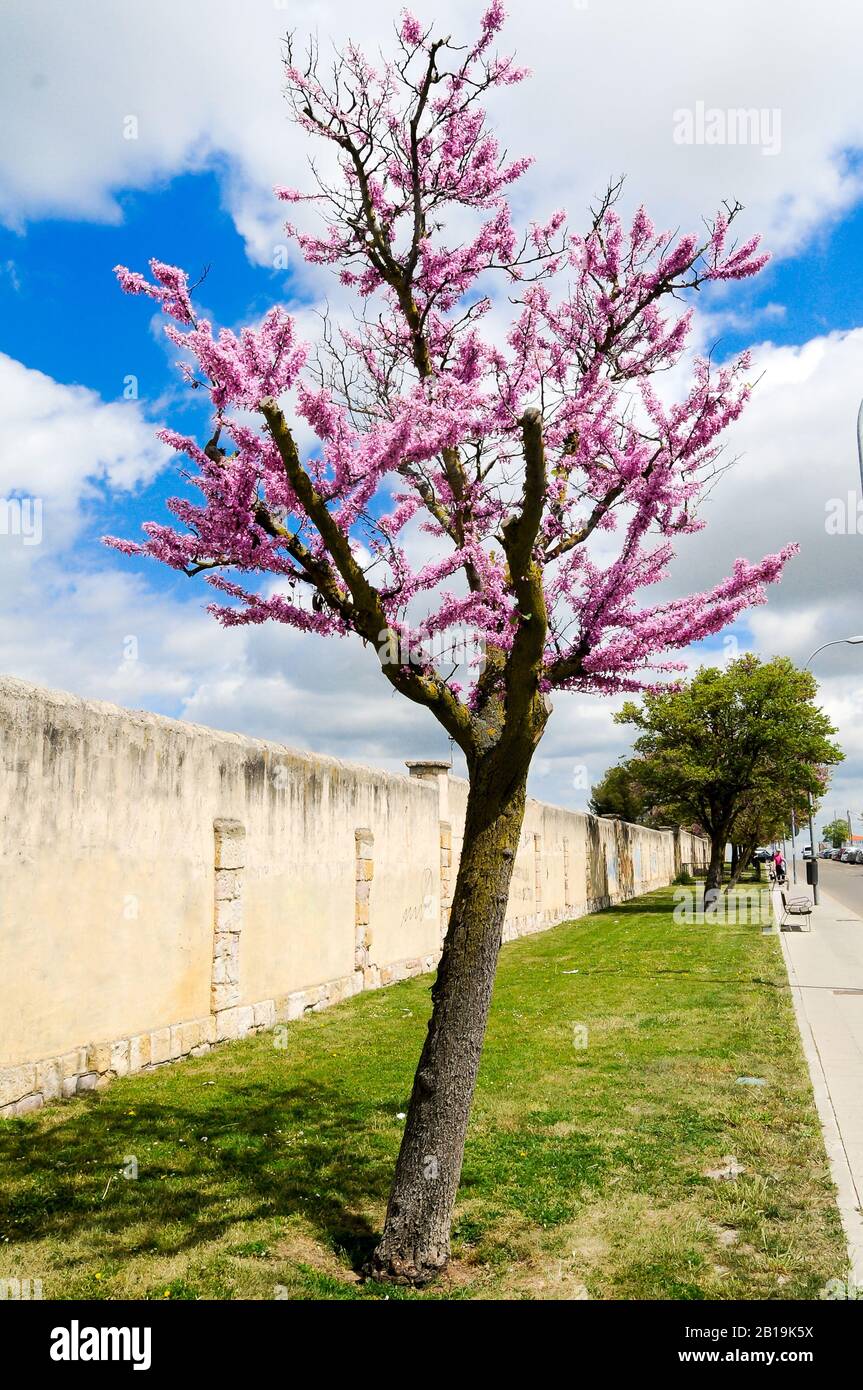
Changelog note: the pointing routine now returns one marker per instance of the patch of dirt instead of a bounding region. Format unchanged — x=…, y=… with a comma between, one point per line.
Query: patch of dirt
x=726, y=1235
x=300, y=1248
x=558, y=1274
x=457, y=1275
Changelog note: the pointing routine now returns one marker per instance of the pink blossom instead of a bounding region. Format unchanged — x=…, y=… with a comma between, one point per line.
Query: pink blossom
x=411, y=30
x=416, y=417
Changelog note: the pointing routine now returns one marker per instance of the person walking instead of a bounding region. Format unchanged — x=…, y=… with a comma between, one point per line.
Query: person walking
x=779, y=866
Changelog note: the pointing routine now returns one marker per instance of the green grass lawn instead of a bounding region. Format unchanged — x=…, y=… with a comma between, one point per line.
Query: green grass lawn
x=263, y=1170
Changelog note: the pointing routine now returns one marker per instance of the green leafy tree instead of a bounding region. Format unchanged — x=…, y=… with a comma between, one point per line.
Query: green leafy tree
x=837, y=832
x=766, y=816
x=619, y=793
x=709, y=750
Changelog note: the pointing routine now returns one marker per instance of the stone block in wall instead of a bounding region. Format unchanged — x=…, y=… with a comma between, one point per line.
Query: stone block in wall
x=49, y=1078
x=230, y=836
x=227, y=1025
x=75, y=1062
x=120, y=1057
x=264, y=1013
x=363, y=905
x=234, y=1023
x=99, y=1057
x=27, y=1104
x=226, y=958
x=224, y=996
x=293, y=1007
x=16, y=1082
x=229, y=884
x=87, y=1082
x=160, y=1046
x=190, y=1036
x=229, y=914
x=341, y=989
x=401, y=970
x=139, y=1052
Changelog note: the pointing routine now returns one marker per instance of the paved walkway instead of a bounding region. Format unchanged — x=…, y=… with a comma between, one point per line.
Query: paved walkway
x=825, y=969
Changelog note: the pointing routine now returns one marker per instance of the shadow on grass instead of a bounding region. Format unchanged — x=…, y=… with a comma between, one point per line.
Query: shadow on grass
x=275, y=1150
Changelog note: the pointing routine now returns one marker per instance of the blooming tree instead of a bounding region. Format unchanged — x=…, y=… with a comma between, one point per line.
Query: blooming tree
x=536, y=471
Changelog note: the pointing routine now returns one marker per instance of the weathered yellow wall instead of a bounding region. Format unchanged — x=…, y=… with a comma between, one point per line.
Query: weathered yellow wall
x=107, y=883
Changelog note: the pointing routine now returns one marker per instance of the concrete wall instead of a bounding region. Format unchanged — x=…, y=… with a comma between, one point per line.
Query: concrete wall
x=164, y=886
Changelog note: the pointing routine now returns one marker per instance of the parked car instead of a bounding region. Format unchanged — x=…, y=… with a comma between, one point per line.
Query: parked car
x=827, y=853
x=807, y=851
x=858, y=856
x=845, y=856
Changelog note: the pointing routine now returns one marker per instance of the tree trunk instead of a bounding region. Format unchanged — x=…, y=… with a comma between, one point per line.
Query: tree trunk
x=713, y=882
x=744, y=854
x=415, y=1243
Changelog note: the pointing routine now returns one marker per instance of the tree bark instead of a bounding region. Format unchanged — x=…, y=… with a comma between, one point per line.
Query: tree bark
x=415, y=1243
x=713, y=880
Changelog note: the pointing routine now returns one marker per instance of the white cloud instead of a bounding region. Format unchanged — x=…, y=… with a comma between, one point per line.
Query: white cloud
x=202, y=80
x=59, y=441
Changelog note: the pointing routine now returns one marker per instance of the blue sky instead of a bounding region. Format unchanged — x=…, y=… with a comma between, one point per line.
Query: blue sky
x=194, y=190
x=80, y=329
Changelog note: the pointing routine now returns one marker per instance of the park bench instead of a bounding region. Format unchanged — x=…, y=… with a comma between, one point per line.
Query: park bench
x=795, y=907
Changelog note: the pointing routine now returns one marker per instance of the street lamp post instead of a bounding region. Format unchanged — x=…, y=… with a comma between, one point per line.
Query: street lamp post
x=837, y=642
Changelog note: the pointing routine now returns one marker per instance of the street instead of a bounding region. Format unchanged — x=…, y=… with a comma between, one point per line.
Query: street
x=844, y=882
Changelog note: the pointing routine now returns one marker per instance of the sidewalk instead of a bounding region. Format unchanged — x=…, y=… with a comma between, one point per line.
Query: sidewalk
x=825, y=970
